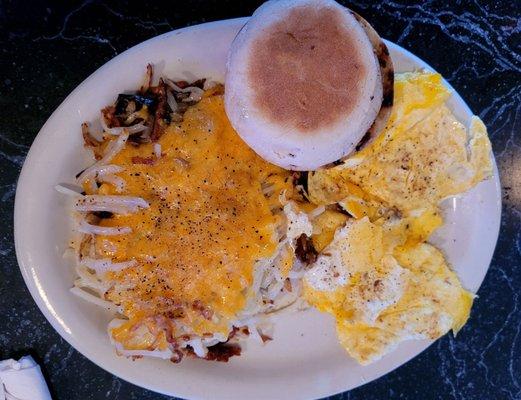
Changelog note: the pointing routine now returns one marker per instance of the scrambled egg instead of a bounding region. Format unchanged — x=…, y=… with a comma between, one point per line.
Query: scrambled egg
x=424, y=155
x=376, y=275
x=208, y=223
x=381, y=293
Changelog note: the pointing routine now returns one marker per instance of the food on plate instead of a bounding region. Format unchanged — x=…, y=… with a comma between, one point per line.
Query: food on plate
x=193, y=240
x=382, y=292
x=377, y=276
x=205, y=211
x=423, y=156
x=185, y=232
x=308, y=82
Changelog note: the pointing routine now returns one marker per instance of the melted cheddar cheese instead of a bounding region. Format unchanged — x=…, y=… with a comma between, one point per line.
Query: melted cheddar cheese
x=207, y=224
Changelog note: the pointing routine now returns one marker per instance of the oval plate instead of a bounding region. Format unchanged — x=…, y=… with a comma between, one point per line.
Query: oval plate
x=304, y=360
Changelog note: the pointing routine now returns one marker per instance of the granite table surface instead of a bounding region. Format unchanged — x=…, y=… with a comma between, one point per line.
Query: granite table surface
x=47, y=49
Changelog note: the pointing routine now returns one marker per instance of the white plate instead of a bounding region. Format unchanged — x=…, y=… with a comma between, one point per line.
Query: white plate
x=305, y=360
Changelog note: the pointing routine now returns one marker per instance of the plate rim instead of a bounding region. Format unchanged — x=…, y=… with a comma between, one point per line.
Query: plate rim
x=25, y=269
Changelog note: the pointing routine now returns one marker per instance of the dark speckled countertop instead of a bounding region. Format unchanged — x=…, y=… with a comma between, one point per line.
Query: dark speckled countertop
x=48, y=49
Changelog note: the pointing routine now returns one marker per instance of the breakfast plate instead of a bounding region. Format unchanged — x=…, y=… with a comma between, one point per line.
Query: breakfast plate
x=305, y=359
